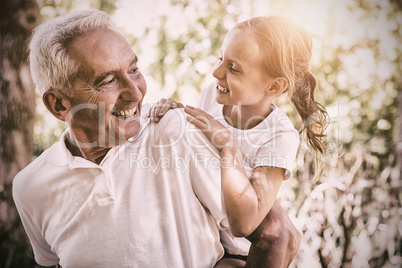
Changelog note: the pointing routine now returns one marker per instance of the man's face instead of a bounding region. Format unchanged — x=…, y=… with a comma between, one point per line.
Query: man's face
x=107, y=92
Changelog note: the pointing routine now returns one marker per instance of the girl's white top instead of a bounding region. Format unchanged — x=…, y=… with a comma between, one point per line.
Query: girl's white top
x=272, y=143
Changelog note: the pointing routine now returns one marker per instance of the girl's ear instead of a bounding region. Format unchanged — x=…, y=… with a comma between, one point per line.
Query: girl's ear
x=56, y=103
x=279, y=86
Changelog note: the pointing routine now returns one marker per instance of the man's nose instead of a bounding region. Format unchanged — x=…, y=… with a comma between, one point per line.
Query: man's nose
x=131, y=90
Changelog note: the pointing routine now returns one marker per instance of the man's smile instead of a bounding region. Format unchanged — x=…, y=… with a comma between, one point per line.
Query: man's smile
x=125, y=113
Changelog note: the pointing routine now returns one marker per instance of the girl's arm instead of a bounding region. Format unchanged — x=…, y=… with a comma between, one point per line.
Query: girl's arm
x=247, y=200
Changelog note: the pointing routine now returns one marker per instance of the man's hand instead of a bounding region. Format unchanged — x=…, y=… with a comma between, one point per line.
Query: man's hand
x=275, y=242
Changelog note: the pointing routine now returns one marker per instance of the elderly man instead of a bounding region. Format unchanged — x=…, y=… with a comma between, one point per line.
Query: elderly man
x=116, y=191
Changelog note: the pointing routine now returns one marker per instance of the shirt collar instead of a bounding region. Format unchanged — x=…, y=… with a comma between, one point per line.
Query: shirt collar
x=144, y=122
x=59, y=155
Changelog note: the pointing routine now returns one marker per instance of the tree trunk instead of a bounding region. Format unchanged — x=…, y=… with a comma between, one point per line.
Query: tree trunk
x=399, y=145
x=17, y=110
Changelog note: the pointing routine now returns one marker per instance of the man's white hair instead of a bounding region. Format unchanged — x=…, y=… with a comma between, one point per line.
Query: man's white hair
x=50, y=64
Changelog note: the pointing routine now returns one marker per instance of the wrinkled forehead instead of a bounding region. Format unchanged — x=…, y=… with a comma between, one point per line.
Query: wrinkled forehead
x=101, y=49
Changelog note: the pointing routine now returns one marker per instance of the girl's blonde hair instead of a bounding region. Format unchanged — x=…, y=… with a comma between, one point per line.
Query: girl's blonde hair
x=286, y=49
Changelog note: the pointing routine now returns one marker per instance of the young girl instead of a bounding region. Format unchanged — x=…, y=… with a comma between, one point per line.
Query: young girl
x=261, y=59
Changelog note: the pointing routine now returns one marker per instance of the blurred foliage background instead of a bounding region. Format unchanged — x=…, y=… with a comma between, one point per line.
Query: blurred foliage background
x=352, y=217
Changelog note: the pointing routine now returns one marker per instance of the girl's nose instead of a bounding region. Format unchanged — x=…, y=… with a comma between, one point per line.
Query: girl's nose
x=219, y=71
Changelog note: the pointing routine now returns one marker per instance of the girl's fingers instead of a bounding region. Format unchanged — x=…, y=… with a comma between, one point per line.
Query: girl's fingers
x=202, y=118
x=161, y=108
x=196, y=112
x=155, y=110
x=196, y=122
x=177, y=104
x=192, y=109
x=209, y=123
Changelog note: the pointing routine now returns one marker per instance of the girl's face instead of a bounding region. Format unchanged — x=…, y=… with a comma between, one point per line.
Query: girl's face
x=241, y=79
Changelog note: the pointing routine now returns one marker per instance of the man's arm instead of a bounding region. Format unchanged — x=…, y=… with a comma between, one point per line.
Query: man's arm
x=275, y=242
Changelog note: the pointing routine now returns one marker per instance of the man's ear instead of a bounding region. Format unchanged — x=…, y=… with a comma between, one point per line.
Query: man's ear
x=56, y=103
x=279, y=86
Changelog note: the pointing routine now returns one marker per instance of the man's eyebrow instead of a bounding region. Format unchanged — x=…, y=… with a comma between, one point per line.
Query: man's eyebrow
x=135, y=60
x=100, y=78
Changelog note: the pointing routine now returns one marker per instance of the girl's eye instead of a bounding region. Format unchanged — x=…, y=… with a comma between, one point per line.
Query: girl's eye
x=233, y=69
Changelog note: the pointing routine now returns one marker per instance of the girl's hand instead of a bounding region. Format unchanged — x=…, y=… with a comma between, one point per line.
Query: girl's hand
x=159, y=109
x=217, y=134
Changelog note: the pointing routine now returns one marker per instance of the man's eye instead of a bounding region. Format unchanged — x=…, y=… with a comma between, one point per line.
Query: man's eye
x=107, y=82
x=135, y=70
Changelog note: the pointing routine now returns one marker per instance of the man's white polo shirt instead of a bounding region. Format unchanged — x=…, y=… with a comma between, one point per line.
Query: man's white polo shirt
x=153, y=202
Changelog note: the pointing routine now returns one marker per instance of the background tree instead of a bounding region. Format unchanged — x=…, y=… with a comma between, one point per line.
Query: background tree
x=352, y=217
x=17, y=114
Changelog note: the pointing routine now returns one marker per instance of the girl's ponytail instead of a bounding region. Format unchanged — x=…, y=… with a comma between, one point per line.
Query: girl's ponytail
x=314, y=116
x=286, y=52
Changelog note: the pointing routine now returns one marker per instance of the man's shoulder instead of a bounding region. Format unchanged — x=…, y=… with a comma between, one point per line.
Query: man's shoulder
x=174, y=130
x=174, y=118
x=34, y=166
x=33, y=174
x=173, y=125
